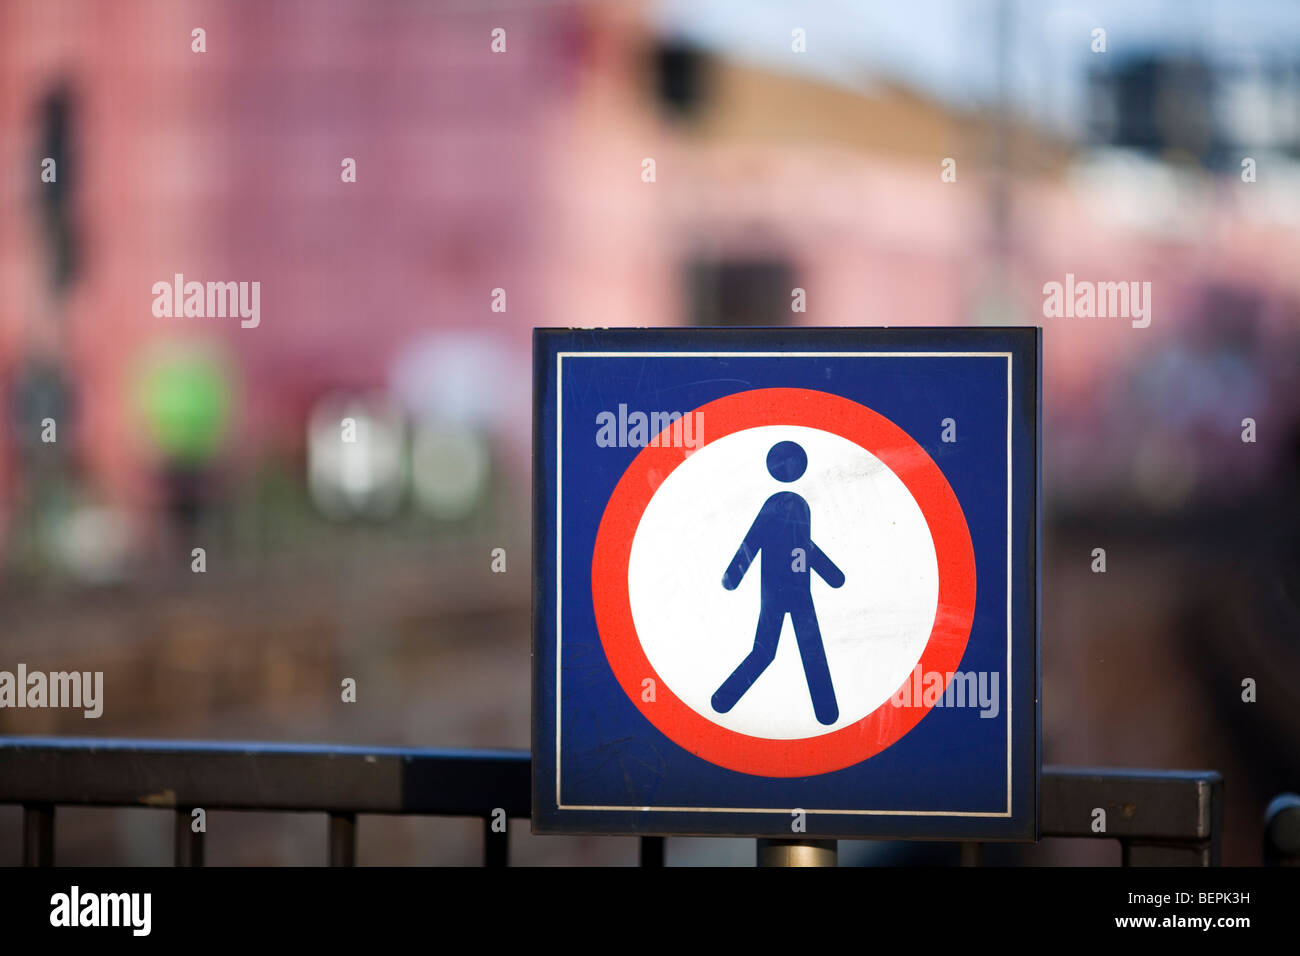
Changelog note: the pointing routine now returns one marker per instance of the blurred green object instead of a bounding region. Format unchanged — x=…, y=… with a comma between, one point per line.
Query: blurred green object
x=185, y=397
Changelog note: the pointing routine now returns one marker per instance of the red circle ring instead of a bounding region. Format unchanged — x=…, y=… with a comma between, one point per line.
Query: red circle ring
x=952, y=621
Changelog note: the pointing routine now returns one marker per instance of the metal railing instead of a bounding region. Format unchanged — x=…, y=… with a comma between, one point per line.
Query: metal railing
x=1160, y=818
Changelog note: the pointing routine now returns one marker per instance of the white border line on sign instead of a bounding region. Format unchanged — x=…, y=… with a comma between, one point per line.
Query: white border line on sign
x=559, y=420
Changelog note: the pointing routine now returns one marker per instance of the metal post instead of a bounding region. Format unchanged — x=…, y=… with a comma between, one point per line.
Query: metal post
x=187, y=844
x=38, y=834
x=798, y=853
x=1282, y=831
x=343, y=839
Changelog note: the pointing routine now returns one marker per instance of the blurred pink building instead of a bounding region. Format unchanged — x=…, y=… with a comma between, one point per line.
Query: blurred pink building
x=226, y=165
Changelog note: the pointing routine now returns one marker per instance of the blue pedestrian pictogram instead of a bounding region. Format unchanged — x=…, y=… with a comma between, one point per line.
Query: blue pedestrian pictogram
x=782, y=532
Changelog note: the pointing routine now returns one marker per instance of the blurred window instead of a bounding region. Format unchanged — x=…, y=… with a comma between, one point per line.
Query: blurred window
x=741, y=292
x=680, y=75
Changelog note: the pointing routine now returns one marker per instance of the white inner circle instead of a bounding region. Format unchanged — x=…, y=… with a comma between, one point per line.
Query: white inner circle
x=695, y=632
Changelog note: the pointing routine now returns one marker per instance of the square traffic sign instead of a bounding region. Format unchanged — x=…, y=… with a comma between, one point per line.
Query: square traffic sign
x=786, y=582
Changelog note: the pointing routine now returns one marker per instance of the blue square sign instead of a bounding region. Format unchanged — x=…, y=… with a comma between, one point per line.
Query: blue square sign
x=787, y=582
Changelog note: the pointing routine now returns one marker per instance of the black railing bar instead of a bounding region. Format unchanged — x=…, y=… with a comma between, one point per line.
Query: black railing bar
x=1143, y=805
x=38, y=834
x=307, y=779
x=342, y=839
x=496, y=843
x=187, y=842
x=1139, y=804
x=652, y=852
